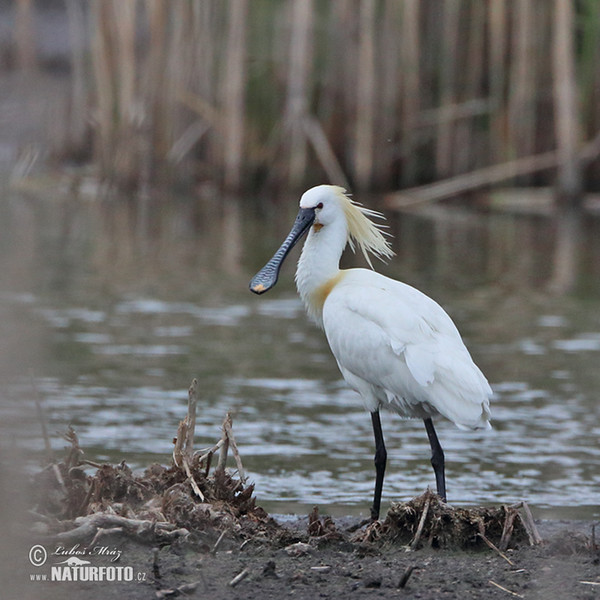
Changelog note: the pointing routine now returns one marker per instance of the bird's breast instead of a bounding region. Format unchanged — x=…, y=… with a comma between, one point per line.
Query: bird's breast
x=320, y=294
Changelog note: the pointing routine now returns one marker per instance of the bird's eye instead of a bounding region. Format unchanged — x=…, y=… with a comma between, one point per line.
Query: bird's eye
x=320, y=205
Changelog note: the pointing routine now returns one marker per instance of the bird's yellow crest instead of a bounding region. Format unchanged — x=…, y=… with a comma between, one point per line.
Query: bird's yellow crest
x=362, y=232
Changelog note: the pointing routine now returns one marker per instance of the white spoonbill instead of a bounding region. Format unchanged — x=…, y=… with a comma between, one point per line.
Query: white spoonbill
x=393, y=344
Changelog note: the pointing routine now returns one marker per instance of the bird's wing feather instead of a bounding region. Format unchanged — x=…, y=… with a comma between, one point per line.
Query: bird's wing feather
x=403, y=343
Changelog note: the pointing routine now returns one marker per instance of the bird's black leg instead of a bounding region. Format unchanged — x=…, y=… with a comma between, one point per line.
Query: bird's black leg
x=437, y=459
x=380, y=462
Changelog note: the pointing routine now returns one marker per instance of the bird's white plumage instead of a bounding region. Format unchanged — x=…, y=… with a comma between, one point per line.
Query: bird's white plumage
x=394, y=345
x=404, y=349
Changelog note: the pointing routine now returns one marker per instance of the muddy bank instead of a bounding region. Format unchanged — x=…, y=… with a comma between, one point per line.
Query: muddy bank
x=300, y=566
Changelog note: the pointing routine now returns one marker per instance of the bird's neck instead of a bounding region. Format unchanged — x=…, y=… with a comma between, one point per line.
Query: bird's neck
x=319, y=266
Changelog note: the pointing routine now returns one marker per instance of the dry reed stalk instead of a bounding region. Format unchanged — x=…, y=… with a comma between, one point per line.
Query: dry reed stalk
x=124, y=73
x=496, y=70
x=570, y=176
x=521, y=101
x=158, y=85
x=411, y=39
x=365, y=96
x=467, y=145
x=103, y=67
x=388, y=52
x=448, y=68
x=566, y=120
x=233, y=94
x=300, y=57
x=78, y=109
x=191, y=417
x=316, y=136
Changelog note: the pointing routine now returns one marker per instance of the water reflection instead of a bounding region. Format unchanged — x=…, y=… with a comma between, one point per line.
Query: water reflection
x=123, y=329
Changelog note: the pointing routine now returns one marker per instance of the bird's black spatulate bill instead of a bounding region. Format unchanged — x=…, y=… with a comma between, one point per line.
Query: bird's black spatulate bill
x=266, y=278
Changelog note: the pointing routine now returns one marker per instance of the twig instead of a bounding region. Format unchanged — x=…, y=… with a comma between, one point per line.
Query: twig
x=188, y=472
x=590, y=582
x=482, y=535
x=506, y=590
x=223, y=453
x=218, y=542
x=236, y=454
x=104, y=532
x=507, y=530
x=191, y=417
x=417, y=537
x=535, y=539
x=179, y=441
x=208, y=454
x=406, y=576
x=241, y=575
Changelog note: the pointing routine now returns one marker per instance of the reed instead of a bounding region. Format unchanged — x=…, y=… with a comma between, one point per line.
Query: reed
x=380, y=94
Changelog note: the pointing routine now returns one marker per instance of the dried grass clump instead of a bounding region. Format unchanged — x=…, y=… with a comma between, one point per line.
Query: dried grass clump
x=426, y=520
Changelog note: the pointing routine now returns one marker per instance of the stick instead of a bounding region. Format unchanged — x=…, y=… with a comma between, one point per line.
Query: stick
x=188, y=472
x=210, y=452
x=406, y=576
x=223, y=452
x=417, y=537
x=535, y=539
x=218, y=542
x=506, y=590
x=227, y=425
x=242, y=575
x=103, y=532
x=478, y=178
x=507, y=530
x=482, y=535
x=179, y=441
x=191, y=417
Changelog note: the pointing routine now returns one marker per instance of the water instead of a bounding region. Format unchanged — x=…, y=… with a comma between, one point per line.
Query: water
x=108, y=329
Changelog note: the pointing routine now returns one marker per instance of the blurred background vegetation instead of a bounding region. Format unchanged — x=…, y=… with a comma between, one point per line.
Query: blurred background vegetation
x=374, y=94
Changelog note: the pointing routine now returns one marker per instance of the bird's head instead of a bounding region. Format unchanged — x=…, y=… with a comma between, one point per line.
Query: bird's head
x=326, y=201
x=322, y=206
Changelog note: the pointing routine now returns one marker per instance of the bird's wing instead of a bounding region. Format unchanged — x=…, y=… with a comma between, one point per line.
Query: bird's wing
x=401, y=341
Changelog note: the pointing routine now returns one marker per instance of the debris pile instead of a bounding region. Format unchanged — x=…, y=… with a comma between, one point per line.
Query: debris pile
x=161, y=504
x=426, y=520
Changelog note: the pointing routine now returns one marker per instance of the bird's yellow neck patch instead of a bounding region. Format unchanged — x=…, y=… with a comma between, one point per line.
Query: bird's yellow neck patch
x=319, y=296
x=317, y=227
